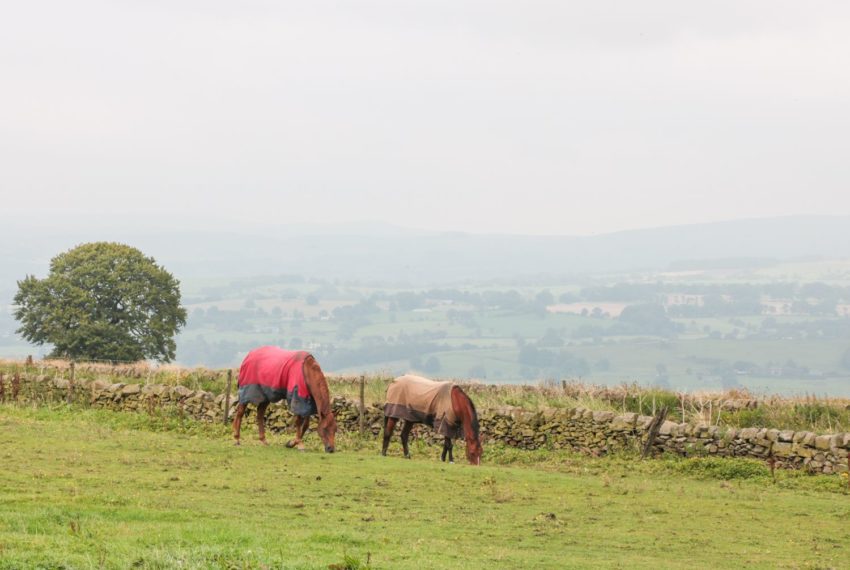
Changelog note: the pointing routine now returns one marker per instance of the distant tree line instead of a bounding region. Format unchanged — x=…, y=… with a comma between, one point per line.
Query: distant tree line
x=407, y=349
x=537, y=362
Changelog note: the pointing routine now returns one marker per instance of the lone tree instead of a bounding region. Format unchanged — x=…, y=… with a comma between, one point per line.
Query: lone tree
x=102, y=301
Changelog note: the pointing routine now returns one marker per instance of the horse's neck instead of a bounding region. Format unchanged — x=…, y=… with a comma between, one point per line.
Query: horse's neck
x=465, y=414
x=318, y=387
x=323, y=400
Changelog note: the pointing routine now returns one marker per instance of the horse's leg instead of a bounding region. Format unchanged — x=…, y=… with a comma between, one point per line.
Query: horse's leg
x=297, y=424
x=299, y=432
x=405, y=434
x=237, y=421
x=447, y=449
x=261, y=421
x=301, y=425
x=389, y=426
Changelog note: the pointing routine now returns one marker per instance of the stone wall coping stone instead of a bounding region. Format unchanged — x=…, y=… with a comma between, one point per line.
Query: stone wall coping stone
x=824, y=441
x=644, y=421
x=181, y=391
x=602, y=417
x=748, y=434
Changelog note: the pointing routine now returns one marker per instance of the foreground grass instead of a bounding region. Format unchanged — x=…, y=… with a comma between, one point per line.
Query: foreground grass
x=95, y=489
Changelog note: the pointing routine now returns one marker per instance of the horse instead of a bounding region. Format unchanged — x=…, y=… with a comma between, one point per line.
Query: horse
x=443, y=406
x=269, y=374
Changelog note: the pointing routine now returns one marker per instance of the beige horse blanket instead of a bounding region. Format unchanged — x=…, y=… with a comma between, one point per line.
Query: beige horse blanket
x=420, y=400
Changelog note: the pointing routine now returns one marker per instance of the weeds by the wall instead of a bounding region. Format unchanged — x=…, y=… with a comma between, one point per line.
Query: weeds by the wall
x=732, y=408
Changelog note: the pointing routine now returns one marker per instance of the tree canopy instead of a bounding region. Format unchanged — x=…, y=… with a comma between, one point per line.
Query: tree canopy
x=102, y=301
x=648, y=318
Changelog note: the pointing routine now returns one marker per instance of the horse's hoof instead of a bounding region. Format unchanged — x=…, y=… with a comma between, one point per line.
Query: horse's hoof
x=451, y=462
x=291, y=443
x=300, y=447
x=237, y=442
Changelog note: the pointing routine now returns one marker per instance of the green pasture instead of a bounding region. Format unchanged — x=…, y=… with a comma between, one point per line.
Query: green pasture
x=690, y=364
x=96, y=489
x=690, y=360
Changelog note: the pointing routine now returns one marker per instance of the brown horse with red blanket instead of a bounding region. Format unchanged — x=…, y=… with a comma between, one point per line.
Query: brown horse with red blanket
x=440, y=405
x=270, y=374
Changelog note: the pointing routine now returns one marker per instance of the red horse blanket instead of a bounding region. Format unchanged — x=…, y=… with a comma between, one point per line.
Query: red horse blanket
x=270, y=374
x=420, y=400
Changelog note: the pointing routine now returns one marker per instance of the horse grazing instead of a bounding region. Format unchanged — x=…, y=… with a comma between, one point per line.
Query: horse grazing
x=270, y=374
x=440, y=405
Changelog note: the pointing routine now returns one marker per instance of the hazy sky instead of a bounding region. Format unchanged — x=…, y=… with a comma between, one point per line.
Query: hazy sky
x=524, y=117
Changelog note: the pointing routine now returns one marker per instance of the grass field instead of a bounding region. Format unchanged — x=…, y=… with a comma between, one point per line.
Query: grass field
x=96, y=489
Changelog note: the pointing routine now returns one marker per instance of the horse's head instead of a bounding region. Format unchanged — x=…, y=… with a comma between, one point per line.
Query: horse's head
x=473, y=451
x=472, y=429
x=318, y=385
x=327, y=430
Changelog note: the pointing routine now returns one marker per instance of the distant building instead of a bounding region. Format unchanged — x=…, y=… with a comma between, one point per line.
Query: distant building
x=772, y=306
x=679, y=299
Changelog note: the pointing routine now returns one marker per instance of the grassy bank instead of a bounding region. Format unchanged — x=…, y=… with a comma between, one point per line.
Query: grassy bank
x=96, y=489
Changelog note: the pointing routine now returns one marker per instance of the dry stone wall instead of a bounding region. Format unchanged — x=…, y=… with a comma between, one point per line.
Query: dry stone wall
x=579, y=429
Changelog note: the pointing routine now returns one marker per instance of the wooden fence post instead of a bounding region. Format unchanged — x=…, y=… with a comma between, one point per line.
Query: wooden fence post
x=16, y=385
x=771, y=462
x=227, y=394
x=653, y=430
x=70, y=396
x=362, y=405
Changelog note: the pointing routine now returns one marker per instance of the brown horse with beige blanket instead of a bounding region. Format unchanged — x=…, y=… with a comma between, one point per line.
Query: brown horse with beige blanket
x=443, y=406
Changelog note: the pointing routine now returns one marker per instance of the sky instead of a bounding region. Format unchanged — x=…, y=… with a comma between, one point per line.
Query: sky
x=530, y=117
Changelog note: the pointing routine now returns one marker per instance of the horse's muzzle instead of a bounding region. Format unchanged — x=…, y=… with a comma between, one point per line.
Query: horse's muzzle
x=329, y=448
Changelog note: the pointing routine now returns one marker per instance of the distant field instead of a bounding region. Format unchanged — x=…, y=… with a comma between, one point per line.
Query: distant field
x=86, y=489
x=453, y=337
x=685, y=360
x=612, y=309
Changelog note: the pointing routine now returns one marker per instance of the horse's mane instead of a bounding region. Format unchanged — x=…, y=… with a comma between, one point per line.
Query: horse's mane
x=322, y=392
x=475, y=427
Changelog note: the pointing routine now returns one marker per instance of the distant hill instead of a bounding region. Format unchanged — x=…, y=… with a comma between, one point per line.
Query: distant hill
x=386, y=253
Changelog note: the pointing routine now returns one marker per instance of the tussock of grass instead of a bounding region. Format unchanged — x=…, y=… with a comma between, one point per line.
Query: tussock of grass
x=721, y=468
